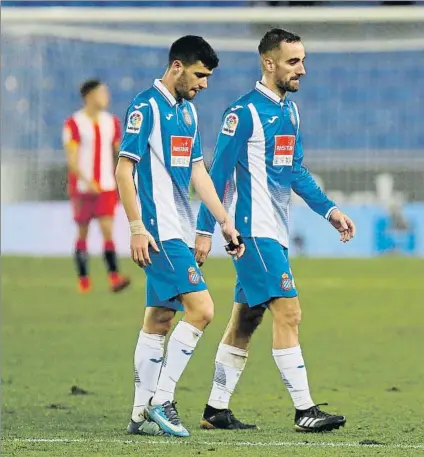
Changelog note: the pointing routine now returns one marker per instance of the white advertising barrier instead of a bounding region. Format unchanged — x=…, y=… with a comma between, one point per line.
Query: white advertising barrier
x=47, y=229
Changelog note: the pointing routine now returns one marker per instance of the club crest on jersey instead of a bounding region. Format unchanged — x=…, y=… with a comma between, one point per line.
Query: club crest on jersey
x=135, y=119
x=230, y=124
x=193, y=276
x=181, y=147
x=187, y=118
x=286, y=282
x=284, y=150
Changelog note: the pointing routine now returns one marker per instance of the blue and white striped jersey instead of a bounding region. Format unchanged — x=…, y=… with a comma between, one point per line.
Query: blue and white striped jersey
x=162, y=137
x=257, y=161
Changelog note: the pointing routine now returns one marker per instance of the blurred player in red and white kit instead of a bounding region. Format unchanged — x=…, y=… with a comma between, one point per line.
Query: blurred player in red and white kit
x=91, y=138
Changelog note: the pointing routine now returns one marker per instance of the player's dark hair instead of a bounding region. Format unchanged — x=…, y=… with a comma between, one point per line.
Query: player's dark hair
x=88, y=86
x=272, y=39
x=190, y=48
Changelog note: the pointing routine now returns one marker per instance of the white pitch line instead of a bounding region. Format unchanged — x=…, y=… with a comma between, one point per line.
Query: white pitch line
x=216, y=443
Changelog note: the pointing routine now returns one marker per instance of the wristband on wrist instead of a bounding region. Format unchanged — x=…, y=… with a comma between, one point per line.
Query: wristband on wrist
x=137, y=228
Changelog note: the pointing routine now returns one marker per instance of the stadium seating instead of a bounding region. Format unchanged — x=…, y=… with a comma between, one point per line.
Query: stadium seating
x=334, y=100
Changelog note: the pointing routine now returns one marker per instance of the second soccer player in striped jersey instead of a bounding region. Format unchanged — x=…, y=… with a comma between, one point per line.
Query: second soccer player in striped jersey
x=259, y=155
x=91, y=138
x=162, y=144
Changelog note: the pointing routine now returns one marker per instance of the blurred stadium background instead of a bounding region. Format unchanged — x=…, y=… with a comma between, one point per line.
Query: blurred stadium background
x=362, y=110
x=362, y=105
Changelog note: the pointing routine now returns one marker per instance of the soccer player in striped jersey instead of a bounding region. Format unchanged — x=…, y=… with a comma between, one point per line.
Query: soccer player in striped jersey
x=91, y=138
x=162, y=145
x=259, y=156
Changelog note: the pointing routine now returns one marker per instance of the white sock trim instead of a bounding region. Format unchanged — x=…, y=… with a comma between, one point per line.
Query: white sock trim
x=288, y=351
x=232, y=349
x=187, y=334
x=152, y=339
x=231, y=356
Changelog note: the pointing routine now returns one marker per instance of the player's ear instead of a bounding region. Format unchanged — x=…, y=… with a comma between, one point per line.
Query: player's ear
x=268, y=63
x=177, y=67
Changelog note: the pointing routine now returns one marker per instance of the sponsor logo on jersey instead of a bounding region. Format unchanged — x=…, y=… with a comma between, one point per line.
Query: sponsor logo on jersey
x=230, y=124
x=135, y=119
x=284, y=150
x=193, y=276
x=286, y=282
x=181, y=147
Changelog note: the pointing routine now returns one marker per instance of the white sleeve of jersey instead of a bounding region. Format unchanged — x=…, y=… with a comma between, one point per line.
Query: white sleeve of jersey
x=296, y=113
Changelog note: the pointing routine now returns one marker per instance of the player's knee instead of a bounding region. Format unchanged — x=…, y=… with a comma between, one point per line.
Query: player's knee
x=106, y=228
x=206, y=313
x=164, y=325
x=159, y=322
x=250, y=319
x=199, y=309
x=82, y=232
x=288, y=312
x=202, y=315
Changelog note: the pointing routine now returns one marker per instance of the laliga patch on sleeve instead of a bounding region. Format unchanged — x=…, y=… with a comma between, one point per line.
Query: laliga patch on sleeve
x=135, y=119
x=230, y=124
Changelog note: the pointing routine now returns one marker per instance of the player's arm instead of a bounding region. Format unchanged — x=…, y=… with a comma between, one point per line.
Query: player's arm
x=204, y=187
x=304, y=184
x=230, y=144
x=125, y=179
x=133, y=147
x=71, y=144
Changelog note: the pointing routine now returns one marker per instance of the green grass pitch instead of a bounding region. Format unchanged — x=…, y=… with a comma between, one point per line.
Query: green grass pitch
x=362, y=336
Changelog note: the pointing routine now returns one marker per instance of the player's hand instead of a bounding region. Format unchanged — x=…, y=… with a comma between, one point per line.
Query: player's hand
x=93, y=187
x=343, y=224
x=202, y=248
x=140, y=248
x=231, y=234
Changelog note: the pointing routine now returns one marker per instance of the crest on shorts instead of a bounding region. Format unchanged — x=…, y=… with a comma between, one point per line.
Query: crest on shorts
x=193, y=276
x=286, y=282
x=187, y=118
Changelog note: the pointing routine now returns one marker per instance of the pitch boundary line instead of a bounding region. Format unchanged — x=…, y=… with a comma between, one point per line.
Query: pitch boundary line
x=214, y=443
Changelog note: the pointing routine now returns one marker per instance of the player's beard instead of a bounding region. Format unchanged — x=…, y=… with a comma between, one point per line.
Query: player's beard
x=182, y=88
x=287, y=86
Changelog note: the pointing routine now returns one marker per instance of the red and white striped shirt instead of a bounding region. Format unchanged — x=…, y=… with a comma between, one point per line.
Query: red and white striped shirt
x=95, y=140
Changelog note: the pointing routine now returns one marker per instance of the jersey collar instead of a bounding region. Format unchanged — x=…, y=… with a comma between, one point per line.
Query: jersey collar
x=268, y=93
x=165, y=92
